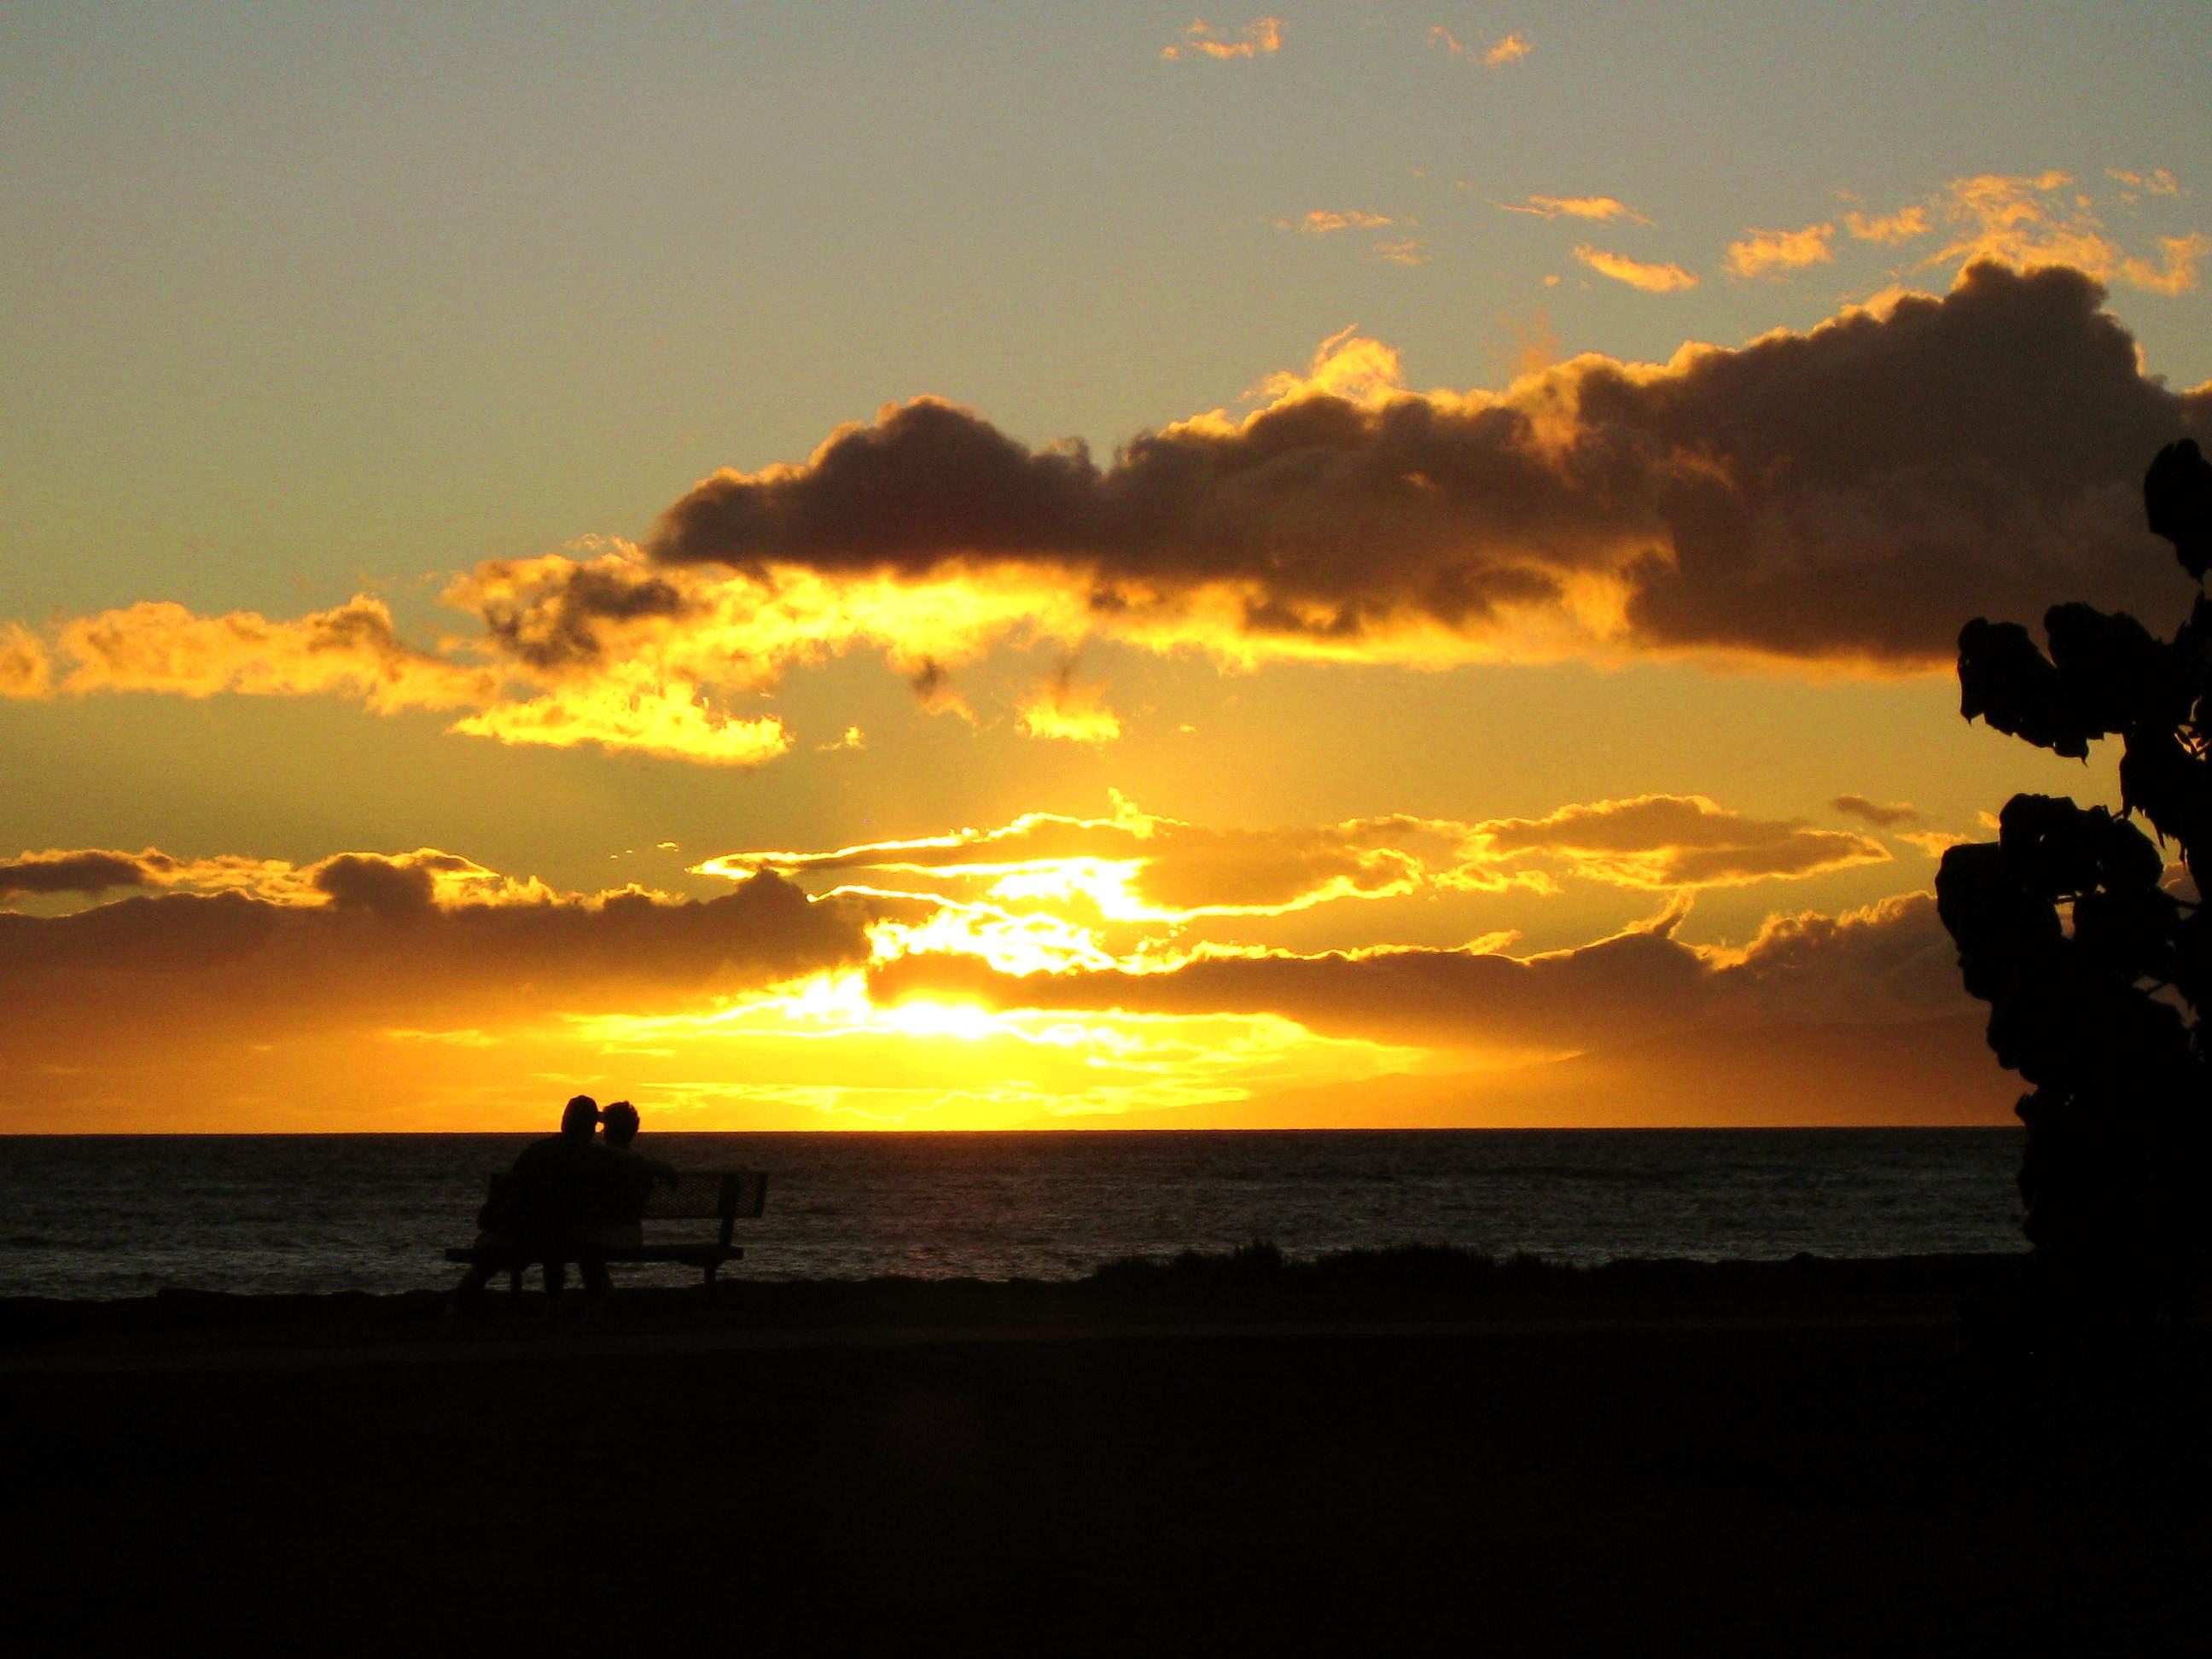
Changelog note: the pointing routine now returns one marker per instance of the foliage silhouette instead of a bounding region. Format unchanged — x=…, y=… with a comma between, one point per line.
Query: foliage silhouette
x=2094, y=969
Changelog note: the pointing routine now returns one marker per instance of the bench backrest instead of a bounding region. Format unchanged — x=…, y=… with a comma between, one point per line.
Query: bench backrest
x=725, y=1195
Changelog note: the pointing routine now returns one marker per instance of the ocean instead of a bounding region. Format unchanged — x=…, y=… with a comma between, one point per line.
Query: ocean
x=104, y=1217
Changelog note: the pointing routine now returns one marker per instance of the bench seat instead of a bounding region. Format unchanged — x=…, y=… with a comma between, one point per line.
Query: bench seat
x=689, y=1255
x=720, y=1195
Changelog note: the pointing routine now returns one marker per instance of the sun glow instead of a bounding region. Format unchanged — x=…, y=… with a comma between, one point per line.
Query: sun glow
x=937, y=1062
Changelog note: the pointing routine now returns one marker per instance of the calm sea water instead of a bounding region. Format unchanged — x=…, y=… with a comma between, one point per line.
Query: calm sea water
x=103, y=1217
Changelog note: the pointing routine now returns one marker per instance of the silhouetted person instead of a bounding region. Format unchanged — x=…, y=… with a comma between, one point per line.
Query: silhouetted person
x=558, y=1190
x=634, y=1177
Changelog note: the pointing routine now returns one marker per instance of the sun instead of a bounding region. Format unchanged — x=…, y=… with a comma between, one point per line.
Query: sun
x=922, y=1018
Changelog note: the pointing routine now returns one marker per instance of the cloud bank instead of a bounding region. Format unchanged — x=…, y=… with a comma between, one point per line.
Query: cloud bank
x=1891, y=961
x=1840, y=499
x=364, y=941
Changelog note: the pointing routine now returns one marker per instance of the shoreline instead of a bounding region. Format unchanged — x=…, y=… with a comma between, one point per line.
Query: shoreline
x=1251, y=1290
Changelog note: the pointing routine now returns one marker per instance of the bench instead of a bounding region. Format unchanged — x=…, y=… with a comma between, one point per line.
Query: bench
x=720, y=1195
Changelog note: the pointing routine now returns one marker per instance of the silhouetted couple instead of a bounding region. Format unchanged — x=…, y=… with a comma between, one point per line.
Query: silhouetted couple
x=570, y=1197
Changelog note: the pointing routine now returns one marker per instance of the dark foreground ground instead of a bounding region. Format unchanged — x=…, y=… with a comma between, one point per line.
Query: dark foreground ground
x=1782, y=1466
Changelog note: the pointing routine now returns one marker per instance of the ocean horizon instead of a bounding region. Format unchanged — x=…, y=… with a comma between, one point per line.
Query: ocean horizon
x=105, y=1217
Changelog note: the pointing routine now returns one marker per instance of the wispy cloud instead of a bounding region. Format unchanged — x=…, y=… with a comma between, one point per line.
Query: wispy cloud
x=1402, y=251
x=352, y=649
x=1933, y=843
x=1508, y=48
x=1667, y=842
x=2029, y=220
x=1901, y=226
x=1885, y=817
x=2158, y=182
x=1651, y=278
x=1255, y=39
x=1324, y=221
x=635, y=709
x=1574, y=207
x=1767, y=253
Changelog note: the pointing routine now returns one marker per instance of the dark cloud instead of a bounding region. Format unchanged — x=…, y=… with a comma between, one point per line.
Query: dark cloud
x=563, y=627
x=1894, y=961
x=1850, y=493
x=351, y=881
x=174, y=972
x=88, y=871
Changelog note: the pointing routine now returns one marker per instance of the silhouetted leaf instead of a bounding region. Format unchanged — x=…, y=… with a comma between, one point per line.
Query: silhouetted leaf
x=2113, y=673
x=2178, y=499
x=2005, y=679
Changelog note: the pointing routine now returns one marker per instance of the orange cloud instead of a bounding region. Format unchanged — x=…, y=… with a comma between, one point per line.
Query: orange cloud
x=1402, y=251
x=1045, y=892
x=1138, y=867
x=2158, y=182
x=1651, y=278
x=1673, y=842
x=1856, y=516
x=25, y=669
x=1320, y=221
x=1839, y=497
x=1764, y=252
x=2028, y=221
x=1255, y=39
x=1508, y=48
x=424, y=977
x=1890, y=962
x=155, y=645
x=2174, y=271
x=646, y=712
x=1934, y=843
x=354, y=650
x=1574, y=207
x=1063, y=709
x=363, y=941
x=1892, y=227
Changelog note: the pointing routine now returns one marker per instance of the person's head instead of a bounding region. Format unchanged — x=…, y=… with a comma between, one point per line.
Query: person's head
x=579, y=1116
x=621, y=1120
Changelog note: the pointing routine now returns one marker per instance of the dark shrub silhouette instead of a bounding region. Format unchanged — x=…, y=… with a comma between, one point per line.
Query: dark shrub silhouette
x=2101, y=1017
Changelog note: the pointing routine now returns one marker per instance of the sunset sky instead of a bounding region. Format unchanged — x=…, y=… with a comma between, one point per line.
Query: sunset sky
x=845, y=566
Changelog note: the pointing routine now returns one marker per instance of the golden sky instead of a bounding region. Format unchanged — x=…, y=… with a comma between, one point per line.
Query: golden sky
x=457, y=649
